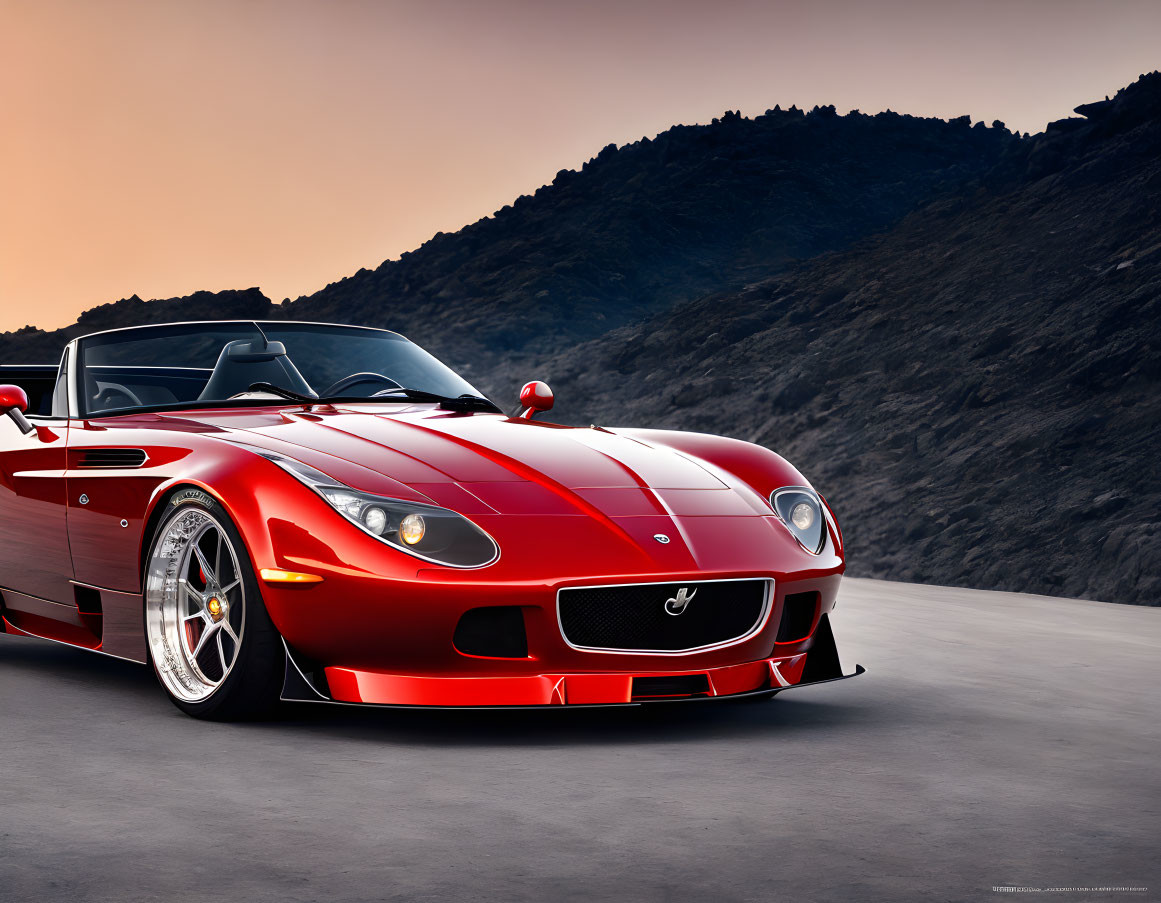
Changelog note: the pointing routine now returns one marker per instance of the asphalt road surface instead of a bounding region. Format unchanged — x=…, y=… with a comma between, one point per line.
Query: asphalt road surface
x=997, y=739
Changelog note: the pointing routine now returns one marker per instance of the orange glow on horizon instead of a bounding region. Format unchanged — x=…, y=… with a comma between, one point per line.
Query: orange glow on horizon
x=156, y=147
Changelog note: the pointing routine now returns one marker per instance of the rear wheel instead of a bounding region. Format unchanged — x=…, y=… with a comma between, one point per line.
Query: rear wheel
x=213, y=647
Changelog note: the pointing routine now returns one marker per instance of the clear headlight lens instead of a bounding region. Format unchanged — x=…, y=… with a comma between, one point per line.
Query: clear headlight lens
x=411, y=529
x=435, y=534
x=375, y=519
x=802, y=516
x=800, y=508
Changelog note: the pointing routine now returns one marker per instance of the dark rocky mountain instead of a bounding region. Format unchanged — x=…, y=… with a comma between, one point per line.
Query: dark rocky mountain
x=977, y=391
x=952, y=330
x=640, y=228
x=636, y=230
x=38, y=346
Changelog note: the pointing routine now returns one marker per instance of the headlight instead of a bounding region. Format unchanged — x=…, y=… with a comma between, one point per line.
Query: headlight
x=801, y=510
x=434, y=534
x=412, y=529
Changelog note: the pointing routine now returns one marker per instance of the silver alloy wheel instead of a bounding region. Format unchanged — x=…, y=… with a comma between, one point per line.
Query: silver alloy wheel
x=195, y=605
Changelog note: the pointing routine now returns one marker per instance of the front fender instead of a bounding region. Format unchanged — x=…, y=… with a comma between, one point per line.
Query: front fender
x=759, y=468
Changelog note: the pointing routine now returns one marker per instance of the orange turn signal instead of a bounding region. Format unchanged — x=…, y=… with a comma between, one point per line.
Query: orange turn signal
x=277, y=575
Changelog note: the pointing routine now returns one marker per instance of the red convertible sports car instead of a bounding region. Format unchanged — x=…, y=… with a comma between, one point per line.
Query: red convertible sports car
x=265, y=510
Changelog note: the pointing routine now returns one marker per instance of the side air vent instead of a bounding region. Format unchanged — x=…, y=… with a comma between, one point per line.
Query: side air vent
x=105, y=458
x=88, y=599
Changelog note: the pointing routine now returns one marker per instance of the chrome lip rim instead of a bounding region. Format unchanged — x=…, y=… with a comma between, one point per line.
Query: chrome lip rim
x=195, y=605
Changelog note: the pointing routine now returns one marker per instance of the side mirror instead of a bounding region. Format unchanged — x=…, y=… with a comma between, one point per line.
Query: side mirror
x=14, y=402
x=535, y=397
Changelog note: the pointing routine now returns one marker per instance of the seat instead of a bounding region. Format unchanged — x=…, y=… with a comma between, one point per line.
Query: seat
x=243, y=363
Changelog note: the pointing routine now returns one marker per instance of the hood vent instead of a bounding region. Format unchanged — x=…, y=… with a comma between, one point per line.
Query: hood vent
x=106, y=458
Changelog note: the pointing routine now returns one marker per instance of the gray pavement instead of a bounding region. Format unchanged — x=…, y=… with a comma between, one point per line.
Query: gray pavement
x=998, y=739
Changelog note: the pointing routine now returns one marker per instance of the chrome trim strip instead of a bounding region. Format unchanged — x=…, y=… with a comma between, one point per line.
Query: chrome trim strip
x=15, y=592
x=103, y=589
x=759, y=625
x=223, y=322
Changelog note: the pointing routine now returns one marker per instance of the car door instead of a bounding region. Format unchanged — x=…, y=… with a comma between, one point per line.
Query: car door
x=34, y=549
x=36, y=569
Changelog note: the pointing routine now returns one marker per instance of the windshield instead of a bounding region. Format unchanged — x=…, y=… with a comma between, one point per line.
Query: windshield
x=200, y=364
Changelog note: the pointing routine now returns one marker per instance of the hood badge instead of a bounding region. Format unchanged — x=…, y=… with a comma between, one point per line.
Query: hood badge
x=677, y=604
x=661, y=538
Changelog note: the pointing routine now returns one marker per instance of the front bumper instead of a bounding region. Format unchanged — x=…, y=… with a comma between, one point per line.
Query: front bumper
x=306, y=681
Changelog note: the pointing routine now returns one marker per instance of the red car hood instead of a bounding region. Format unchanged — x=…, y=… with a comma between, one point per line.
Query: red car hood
x=511, y=466
x=616, y=503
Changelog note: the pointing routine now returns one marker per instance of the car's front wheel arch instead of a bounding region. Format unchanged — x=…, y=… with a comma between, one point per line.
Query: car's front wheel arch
x=163, y=503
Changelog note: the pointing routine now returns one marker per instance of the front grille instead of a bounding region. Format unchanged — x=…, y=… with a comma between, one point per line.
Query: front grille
x=638, y=618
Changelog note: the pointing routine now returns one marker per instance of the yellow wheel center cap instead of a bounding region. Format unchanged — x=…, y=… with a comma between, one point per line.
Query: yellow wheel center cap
x=215, y=608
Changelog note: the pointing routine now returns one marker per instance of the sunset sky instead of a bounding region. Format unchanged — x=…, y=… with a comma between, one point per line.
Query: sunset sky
x=156, y=148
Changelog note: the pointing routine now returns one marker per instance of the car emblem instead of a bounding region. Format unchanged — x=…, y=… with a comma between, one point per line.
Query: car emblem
x=661, y=538
x=678, y=603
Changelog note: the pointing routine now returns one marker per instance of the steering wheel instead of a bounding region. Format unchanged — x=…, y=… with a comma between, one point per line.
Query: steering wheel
x=103, y=399
x=356, y=379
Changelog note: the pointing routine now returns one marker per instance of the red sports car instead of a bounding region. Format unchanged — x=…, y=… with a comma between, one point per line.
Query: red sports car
x=267, y=510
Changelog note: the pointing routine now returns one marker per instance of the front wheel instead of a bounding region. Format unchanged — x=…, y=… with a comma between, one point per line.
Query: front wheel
x=213, y=647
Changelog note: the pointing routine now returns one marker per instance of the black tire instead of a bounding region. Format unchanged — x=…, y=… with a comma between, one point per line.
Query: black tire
x=252, y=681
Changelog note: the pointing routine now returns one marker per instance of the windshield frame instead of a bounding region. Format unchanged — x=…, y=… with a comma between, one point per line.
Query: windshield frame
x=75, y=363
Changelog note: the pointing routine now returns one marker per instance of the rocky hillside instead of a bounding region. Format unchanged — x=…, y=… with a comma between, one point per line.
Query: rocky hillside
x=37, y=346
x=952, y=330
x=636, y=230
x=642, y=227
x=978, y=391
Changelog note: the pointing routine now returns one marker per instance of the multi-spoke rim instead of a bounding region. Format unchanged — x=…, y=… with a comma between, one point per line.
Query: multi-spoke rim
x=195, y=605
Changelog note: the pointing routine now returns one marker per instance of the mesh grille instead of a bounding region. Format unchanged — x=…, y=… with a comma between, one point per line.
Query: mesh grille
x=634, y=618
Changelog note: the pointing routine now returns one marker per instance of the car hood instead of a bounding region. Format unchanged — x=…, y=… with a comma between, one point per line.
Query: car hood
x=625, y=503
x=493, y=463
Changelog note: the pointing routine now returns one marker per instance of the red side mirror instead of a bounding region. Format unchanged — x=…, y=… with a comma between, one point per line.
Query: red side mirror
x=535, y=397
x=13, y=397
x=14, y=402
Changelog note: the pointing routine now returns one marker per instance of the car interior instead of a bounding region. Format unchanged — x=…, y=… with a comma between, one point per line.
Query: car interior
x=167, y=366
